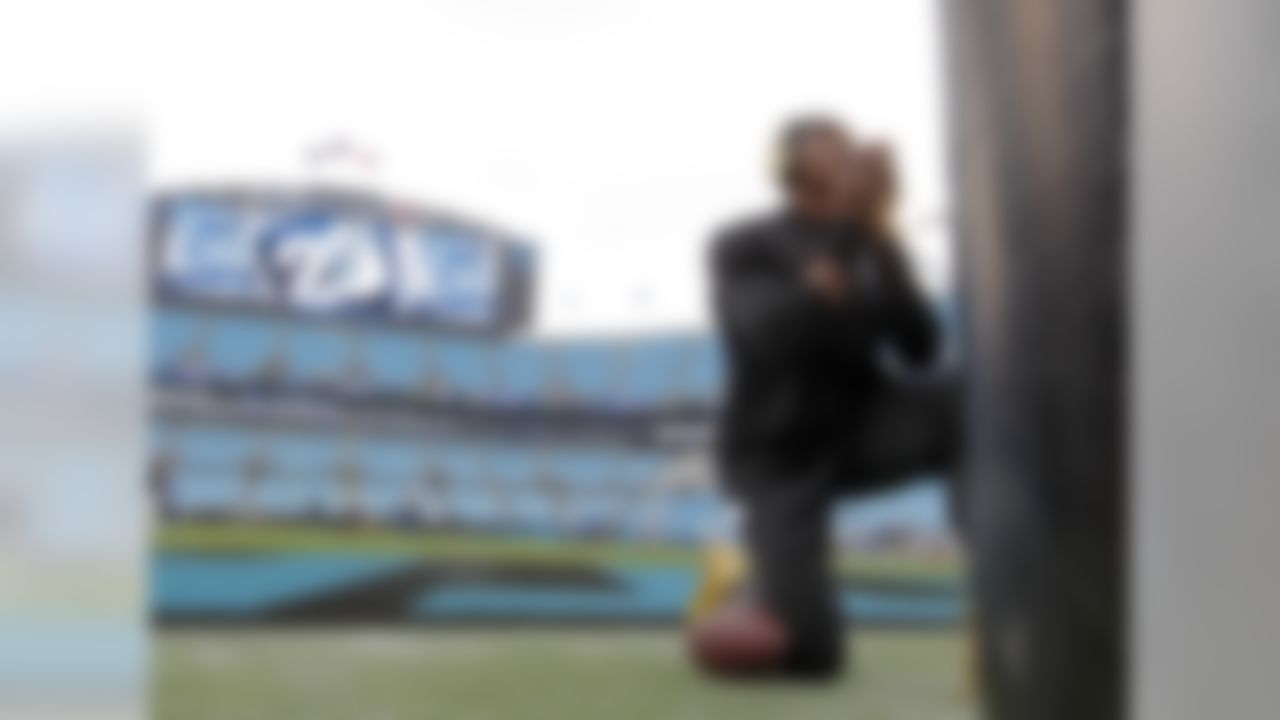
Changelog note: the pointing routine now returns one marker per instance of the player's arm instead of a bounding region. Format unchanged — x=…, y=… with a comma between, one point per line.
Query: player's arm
x=774, y=308
x=912, y=327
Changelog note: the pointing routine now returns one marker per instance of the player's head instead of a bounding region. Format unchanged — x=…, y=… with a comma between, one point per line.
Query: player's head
x=817, y=165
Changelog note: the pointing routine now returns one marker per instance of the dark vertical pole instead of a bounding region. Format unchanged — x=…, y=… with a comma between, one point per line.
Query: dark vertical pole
x=1039, y=140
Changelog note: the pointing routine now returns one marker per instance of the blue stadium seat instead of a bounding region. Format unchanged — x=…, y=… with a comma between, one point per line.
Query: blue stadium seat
x=596, y=510
x=239, y=346
x=284, y=495
x=922, y=503
x=173, y=332
x=591, y=372
x=524, y=373
x=330, y=496
x=512, y=463
x=492, y=487
x=650, y=371
x=467, y=366
x=693, y=517
x=613, y=470
x=387, y=497
x=474, y=506
x=705, y=377
x=317, y=354
x=535, y=515
x=397, y=361
x=640, y=469
x=386, y=457
x=214, y=445
x=458, y=460
x=304, y=454
x=199, y=491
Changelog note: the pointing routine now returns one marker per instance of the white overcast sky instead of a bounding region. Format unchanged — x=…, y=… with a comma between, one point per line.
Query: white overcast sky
x=615, y=134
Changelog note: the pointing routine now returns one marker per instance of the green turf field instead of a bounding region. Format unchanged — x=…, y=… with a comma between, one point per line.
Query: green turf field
x=366, y=674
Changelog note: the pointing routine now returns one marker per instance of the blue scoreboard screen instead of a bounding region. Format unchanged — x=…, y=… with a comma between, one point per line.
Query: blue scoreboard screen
x=324, y=255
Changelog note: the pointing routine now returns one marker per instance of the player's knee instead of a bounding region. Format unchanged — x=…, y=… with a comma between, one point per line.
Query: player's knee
x=825, y=664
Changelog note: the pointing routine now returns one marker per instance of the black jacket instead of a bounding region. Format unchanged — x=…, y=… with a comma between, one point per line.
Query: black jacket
x=800, y=368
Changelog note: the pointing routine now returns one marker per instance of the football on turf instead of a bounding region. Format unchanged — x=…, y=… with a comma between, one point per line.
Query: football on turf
x=738, y=640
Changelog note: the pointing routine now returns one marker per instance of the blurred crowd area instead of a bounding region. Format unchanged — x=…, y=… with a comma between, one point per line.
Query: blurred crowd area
x=307, y=420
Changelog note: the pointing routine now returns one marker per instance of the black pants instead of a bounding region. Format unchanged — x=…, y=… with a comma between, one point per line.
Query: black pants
x=907, y=431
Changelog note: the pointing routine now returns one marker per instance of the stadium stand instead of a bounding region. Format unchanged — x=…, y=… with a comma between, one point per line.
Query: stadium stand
x=514, y=481
x=416, y=428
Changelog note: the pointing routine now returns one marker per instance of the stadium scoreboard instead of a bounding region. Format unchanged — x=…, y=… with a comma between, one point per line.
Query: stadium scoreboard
x=339, y=254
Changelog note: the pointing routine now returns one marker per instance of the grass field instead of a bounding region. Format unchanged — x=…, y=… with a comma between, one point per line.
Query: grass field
x=418, y=673
x=367, y=674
